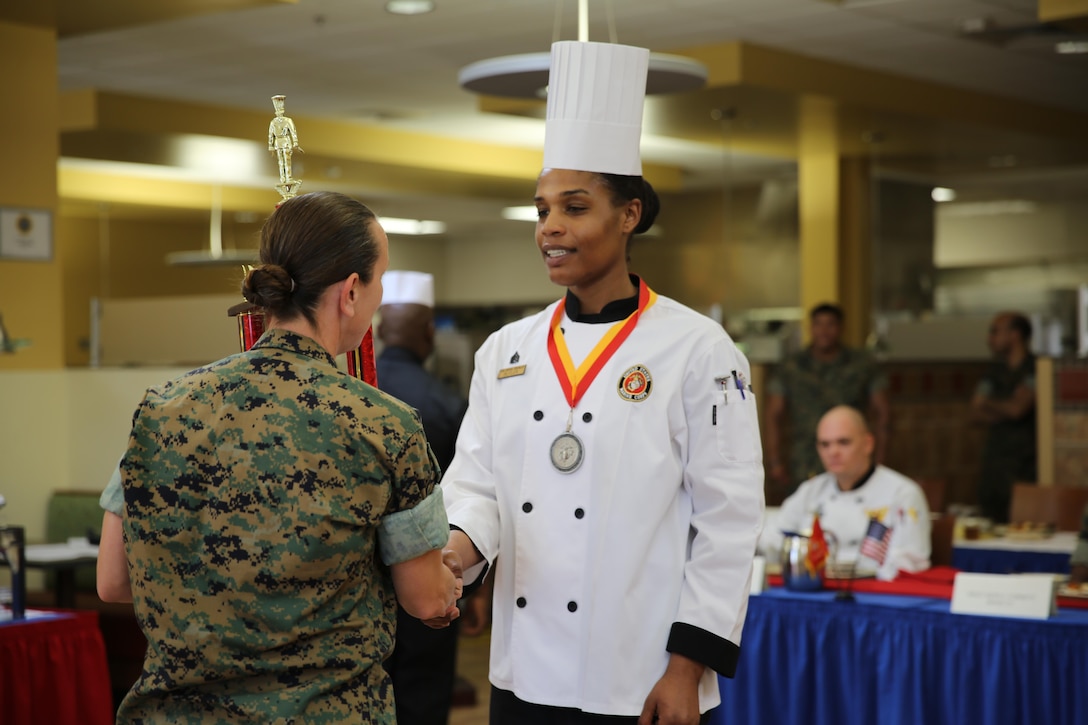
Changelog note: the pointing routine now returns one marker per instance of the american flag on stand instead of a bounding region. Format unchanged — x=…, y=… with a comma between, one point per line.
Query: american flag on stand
x=875, y=543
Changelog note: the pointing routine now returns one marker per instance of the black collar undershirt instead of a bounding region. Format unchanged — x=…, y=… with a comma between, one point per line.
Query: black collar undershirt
x=614, y=311
x=861, y=481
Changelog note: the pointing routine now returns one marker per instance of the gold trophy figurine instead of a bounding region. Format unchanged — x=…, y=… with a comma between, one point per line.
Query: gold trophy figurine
x=283, y=139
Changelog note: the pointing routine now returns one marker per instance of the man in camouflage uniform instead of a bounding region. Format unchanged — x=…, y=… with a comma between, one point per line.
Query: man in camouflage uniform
x=810, y=383
x=258, y=495
x=1005, y=401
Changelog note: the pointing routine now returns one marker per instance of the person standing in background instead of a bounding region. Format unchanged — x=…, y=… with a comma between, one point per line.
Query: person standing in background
x=811, y=382
x=424, y=660
x=1005, y=401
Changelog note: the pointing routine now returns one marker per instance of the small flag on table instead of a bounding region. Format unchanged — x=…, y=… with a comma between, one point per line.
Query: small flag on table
x=817, y=548
x=875, y=543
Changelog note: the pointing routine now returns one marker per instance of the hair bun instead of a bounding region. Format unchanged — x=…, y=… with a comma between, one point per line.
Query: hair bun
x=651, y=205
x=267, y=285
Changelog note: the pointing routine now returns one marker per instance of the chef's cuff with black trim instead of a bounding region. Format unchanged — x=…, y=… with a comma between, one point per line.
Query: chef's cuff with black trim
x=697, y=644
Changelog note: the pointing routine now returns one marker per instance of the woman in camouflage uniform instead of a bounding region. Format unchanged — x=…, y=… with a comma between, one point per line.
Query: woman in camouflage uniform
x=270, y=506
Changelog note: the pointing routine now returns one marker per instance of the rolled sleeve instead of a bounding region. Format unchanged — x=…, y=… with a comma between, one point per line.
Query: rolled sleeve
x=407, y=534
x=113, y=497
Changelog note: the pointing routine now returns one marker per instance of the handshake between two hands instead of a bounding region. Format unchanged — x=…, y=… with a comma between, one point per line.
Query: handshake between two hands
x=452, y=561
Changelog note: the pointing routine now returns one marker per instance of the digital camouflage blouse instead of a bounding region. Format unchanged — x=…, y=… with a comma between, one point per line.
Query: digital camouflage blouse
x=261, y=500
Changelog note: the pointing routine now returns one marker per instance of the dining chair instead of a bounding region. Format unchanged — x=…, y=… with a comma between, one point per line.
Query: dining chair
x=941, y=534
x=934, y=489
x=1058, y=505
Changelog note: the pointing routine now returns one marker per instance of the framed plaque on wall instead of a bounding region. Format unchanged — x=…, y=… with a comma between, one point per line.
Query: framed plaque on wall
x=26, y=234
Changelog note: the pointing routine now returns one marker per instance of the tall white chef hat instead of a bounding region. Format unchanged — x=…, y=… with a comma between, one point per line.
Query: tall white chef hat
x=400, y=287
x=595, y=99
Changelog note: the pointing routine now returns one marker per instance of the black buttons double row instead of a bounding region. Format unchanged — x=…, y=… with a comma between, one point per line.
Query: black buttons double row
x=522, y=602
x=578, y=512
x=539, y=415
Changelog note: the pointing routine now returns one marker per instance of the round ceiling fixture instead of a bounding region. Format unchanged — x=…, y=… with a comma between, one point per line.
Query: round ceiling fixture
x=526, y=75
x=409, y=7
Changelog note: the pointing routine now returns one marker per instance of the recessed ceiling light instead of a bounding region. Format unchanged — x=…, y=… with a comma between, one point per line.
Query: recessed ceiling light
x=941, y=193
x=521, y=213
x=409, y=7
x=411, y=227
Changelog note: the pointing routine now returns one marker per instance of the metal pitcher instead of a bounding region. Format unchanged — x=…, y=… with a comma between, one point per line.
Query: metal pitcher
x=796, y=574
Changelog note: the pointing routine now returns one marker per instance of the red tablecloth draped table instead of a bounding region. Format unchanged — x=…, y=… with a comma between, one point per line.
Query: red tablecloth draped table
x=53, y=670
x=936, y=582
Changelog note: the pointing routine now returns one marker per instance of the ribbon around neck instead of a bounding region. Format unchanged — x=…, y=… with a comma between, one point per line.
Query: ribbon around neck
x=576, y=382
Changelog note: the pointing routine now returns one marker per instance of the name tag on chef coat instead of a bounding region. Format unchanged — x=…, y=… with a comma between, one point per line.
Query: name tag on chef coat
x=512, y=372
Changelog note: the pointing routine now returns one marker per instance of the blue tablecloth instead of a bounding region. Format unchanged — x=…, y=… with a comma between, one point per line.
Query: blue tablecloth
x=806, y=658
x=1003, y=561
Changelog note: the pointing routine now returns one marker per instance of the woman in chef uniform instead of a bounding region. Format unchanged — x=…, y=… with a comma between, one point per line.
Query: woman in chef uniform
x=609, y=465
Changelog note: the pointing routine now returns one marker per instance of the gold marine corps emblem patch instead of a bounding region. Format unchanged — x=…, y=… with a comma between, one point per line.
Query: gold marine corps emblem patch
x=635, y=384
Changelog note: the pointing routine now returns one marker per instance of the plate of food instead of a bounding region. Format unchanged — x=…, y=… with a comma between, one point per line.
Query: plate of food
x=1080, y=591
x=1029, y=531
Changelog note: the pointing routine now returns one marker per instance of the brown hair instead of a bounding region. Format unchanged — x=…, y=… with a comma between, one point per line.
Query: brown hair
x=827, y=308
x=310, y=242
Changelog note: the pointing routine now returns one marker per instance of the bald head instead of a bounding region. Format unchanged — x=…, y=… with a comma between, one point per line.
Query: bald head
x=845, y=444
x=407, y=325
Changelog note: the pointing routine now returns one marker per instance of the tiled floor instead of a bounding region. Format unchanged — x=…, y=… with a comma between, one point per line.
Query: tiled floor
x=472, y=657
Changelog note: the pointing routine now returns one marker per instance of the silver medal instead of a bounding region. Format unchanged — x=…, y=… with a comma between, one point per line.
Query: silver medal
x=567, y=452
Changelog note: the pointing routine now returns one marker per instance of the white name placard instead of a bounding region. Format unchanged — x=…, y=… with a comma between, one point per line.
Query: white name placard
x=759, y=575
x=1004, y=595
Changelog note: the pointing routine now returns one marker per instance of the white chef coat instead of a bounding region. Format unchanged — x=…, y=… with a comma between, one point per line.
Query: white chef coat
x=893, y=499
x=658, y=526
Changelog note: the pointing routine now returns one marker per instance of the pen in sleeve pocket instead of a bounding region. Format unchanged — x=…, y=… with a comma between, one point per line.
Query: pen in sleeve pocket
x=736, y=381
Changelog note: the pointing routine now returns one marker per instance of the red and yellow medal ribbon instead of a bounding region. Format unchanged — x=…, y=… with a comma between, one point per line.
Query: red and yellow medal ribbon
x=576, y=382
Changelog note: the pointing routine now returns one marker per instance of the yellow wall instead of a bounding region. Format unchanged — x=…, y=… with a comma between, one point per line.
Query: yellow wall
x=818, y=167
x=31, y=294
x=716, y=248
x=78, y=240
x=63, y=429
x=114, y=258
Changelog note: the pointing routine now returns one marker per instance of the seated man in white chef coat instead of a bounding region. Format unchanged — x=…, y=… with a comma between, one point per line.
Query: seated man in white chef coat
x=849, y=494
